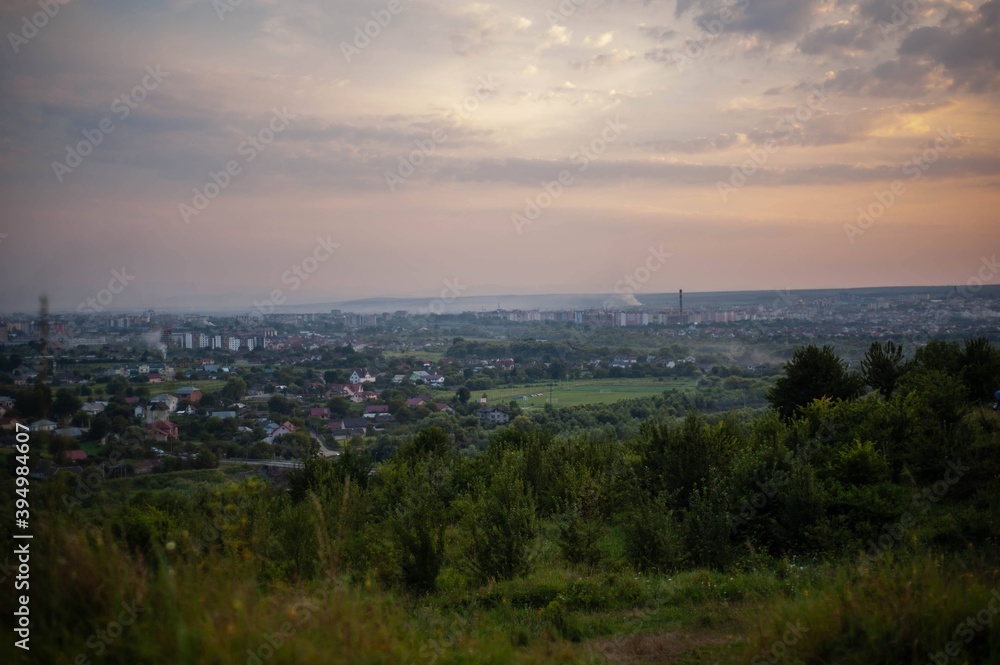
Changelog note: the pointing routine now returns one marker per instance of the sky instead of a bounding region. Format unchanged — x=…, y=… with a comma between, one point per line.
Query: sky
x=210, y=152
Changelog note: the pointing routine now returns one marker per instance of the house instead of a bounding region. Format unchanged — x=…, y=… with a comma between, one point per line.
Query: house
x=163, y=430
x=155, y=377
x=361, y=376
x=339, y=390
x=348, y=427
x=10, y=424
x=623, y=360
x=43, y=426
x=414, y=402
x=280, y=431
x=319, y=412
x=70, y=432
x=157, y=411
x=163, y=398
x=6, y=402
x=434, y=379
x=223, y=414
x=494, y=414
x=365, y=396
x=446, y=408
x=76, y=455
x=189, y=393
x=23, y=375
x=398, y=378
x=93, y=408
x=506, y=364
x=372, y=410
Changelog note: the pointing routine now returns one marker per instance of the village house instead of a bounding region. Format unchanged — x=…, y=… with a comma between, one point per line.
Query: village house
x=361, y=376
x=163, y=430
x=373, y=410
x=189, y=393
x=43, y=426
x=494, y=414
x=414, y=402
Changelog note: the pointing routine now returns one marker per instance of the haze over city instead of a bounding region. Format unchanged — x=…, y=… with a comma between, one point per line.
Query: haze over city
x=510, y=148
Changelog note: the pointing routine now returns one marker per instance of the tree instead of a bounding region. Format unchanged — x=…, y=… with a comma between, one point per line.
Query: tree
x=335, y=376
x=980, y=368
x=462, y=394
x=813, y=373
x=117, y=386
x=418, y=526
x=280, y=404
x=234, y=390
x=339, y=407
x=557, y=370
x=300, y=443
x=883, y=366
x=501, y=524
x=940, y=356
x=66, y=403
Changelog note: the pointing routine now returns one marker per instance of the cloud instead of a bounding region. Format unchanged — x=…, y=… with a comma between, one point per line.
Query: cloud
x=821, y=128
x=600, y=41
x=605, y=172
x=658, y=33
x=697, y=145
x=773, y=20
x=557, y=35
x=966, y=45
x=614, y=57
x=960, y=54
x=892, y=78
x=843, y=38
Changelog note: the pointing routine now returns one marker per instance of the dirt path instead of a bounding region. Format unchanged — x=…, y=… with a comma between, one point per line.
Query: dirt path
x=659, y=648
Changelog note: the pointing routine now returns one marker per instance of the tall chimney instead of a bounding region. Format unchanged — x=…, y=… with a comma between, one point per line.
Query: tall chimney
x=682, y=306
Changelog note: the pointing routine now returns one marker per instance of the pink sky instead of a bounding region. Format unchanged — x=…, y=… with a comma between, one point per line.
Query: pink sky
x=671, y=98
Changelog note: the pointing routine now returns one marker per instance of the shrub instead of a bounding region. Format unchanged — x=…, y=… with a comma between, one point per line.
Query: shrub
x=501, y=524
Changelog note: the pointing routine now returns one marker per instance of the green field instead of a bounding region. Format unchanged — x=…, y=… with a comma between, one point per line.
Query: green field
x=588, y=391
x=170, y=386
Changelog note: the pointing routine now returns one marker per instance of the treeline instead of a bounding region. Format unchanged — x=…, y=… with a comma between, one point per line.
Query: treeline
x=837, y=477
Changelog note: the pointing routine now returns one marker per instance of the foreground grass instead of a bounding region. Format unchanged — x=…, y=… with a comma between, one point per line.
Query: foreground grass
x=85, y=588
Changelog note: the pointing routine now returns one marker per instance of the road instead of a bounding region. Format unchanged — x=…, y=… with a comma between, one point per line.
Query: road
x=278, y=463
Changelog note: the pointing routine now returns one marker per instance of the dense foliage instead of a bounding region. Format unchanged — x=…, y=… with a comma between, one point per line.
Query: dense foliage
x=560, y=516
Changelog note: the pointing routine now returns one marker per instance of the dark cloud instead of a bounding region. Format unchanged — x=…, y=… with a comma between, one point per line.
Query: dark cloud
x=966, y=44
x=960, y=54
x=840, y=38
x=658, y=33
x=534, y=172
x=696, y=145
x=774, y=20
x=892, y=78
x=613, y=57
x=879, y=10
